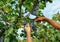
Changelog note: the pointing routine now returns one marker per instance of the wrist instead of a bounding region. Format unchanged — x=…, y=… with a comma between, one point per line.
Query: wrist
x=28, y=33
x=44, y=18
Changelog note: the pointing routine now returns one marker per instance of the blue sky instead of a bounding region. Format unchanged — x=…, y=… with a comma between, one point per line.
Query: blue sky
x=51, y=8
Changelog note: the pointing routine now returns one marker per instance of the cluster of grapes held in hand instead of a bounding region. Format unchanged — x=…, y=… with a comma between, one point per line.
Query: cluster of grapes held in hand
x=32, y=26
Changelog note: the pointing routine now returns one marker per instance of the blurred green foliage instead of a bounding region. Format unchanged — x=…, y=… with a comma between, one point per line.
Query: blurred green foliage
x=9, y=14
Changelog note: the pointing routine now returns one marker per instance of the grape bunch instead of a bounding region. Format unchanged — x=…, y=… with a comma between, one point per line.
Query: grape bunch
x=24, y=23
x=32, y=26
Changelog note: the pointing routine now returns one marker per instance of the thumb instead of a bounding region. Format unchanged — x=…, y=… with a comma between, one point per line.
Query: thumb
x=27, y=25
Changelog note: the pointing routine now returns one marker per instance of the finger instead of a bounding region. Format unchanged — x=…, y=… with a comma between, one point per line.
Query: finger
x=27, y=25
x=37, y=19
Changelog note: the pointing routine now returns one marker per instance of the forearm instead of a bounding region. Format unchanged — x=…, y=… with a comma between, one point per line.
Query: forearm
x=29, y=37
x=28, y=32
x=53, y=23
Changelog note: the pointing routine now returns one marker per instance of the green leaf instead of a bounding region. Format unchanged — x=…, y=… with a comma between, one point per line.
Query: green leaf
x=6, y=39
x=9, y=31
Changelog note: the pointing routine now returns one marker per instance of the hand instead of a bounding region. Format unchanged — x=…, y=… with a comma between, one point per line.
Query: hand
x=39, y=18
x=27, y=28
